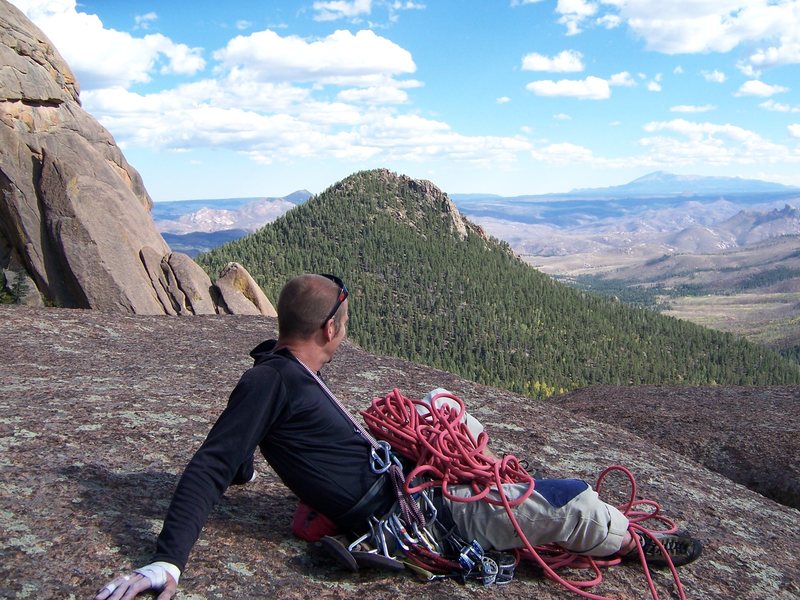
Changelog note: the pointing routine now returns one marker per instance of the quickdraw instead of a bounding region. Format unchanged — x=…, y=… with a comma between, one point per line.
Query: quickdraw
x=430, y=551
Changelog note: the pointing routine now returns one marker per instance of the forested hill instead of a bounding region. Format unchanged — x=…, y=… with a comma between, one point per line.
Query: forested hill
x=429, y=286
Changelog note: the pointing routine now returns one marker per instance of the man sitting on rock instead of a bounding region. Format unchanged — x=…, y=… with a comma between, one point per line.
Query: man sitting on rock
x=283, y=408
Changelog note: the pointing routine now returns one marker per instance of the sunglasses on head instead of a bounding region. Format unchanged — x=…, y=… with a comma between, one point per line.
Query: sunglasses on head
x=343, y=293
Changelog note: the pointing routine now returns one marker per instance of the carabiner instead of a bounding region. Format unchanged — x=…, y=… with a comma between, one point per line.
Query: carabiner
x=380, y=463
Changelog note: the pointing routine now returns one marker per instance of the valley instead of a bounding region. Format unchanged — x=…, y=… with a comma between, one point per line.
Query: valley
x=753, y=291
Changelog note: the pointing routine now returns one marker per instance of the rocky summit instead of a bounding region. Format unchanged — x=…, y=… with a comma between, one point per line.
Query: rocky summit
x=101, y=412
x=75, y=223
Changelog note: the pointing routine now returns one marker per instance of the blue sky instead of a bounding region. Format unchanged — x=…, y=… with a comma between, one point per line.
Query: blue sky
x=265, y=97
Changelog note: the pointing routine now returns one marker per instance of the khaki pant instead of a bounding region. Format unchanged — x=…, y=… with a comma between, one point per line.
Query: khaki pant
x=567, y=512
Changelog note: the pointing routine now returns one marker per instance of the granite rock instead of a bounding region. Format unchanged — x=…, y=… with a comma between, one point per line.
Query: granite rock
x=742, y=433
x=240, y=294
x=74, y=215
x=101, y=411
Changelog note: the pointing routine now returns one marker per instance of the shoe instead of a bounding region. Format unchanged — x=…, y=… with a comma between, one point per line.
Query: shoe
x=681, y=548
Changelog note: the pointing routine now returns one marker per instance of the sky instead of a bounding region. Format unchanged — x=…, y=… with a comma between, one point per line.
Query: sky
x=260, y=98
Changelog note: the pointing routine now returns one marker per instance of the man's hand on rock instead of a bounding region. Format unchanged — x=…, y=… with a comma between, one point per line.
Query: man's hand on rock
x=151, y=577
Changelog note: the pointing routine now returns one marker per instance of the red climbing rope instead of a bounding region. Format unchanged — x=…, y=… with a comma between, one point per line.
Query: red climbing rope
x=446, y=453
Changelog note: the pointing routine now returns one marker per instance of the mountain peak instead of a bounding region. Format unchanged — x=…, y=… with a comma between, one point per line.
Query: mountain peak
x=663, y=183
x=414, y=202
x=298, y=197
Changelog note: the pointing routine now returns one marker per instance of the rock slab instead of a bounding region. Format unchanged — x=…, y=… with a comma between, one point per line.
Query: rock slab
x=94, y=436
x=74, y=215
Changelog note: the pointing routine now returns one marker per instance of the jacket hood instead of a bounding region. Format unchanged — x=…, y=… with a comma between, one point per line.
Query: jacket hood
x=263, y=351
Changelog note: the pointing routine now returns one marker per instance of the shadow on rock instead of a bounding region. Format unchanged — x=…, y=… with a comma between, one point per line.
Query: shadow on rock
x=130, y=507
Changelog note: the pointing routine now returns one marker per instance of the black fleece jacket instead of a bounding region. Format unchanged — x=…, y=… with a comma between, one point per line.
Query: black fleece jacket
x=278, y=407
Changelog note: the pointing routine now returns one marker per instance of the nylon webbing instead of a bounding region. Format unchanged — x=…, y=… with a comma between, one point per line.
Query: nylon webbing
x=410, y=509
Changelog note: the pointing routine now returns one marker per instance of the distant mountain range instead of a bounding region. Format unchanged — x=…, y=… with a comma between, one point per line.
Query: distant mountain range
x=659, y=201
x=248, y=214
x=668, y=184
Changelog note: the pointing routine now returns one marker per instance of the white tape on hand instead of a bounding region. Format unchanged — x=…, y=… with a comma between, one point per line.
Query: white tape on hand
x=157, y=573
x=111, y=586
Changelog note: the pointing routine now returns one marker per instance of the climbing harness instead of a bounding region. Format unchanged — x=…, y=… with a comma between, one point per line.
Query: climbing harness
x=446, y=453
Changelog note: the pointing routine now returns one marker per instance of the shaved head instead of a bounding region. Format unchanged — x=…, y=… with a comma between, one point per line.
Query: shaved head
x=304, y=304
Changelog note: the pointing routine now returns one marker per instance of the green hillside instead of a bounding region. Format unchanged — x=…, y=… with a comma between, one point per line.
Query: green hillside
x=428, y=286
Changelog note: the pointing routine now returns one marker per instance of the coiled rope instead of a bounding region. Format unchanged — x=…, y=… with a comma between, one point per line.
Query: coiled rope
x=446, y=453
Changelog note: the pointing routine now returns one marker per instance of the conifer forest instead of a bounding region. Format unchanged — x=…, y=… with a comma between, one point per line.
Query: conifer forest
x=425, y=290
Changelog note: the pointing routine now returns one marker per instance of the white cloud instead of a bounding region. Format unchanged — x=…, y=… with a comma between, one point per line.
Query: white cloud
x=243, y=24
x=182, y=59
x=269, y=99
x=787, y=53
x=714, y=76
x=143, y=21
x=748, y=70
x=411, y=137
x=574, y=13
x=385, y=94
x=653, y=86
x=407, y=5
x=102, y=57
x=678, y=70
x=566, y=61
x=772, y=27
x=562, y=117
x=755, y=87
x=609, y=21
x=563, y=154
x=697, y=130
x=682, y=142
x=688, y=108
x=341, y=9
x=624, y=79
x=287, y=123
x=778, y=107
x=503, y=100
x=356, y=11
x=340, y=58
x=591, y=88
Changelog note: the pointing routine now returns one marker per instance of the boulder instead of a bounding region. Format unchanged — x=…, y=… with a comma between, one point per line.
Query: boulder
x=193, y=283
x=151, y=260
x=74, y=215
x=240, y=294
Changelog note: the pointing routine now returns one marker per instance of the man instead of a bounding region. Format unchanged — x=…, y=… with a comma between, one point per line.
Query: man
x=281, y=407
